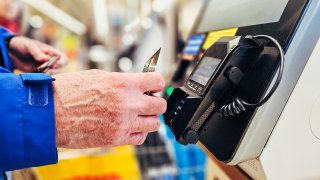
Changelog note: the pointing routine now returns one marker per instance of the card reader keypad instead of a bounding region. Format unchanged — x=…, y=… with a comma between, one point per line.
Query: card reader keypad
x=194, y=87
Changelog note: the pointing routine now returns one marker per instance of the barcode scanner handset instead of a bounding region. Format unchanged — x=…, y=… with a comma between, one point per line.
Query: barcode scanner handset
x=211, y=85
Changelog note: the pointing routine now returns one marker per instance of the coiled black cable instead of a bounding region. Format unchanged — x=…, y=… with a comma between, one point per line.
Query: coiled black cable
x=238, y=105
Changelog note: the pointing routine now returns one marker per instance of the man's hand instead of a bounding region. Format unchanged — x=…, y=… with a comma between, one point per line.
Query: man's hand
x=99, y=109
x=28, y=54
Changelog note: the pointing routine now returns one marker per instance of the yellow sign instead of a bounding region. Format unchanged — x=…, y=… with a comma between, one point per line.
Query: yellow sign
x=118, y=164
x=215, y=35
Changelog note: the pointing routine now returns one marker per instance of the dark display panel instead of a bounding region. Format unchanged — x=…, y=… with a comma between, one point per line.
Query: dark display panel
x=205, y=70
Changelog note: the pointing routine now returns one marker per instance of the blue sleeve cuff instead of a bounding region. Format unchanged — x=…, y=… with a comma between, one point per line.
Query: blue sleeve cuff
x=27, y=123
x=5, y=37
x=6, y=34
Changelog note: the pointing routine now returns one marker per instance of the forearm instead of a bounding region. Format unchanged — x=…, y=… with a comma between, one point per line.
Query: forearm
x=80, y=113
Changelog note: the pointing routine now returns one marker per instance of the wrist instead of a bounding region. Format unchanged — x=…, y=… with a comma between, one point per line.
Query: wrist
x=57, y=110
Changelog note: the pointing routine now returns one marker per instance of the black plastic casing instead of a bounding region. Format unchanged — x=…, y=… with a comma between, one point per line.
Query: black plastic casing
x=187, y=104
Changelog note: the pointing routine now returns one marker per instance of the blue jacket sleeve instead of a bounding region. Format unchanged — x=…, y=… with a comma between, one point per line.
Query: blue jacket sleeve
x=5, y=33
x=4, y=36
x=27, y=124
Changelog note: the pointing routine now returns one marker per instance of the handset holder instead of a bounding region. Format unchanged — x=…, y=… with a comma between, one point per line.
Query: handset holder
x=239, y=105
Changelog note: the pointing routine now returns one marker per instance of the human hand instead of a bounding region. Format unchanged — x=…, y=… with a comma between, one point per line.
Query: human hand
x=99, y=109
x=28, y=54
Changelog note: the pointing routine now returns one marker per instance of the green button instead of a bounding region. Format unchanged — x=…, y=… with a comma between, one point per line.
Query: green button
x=169, y=90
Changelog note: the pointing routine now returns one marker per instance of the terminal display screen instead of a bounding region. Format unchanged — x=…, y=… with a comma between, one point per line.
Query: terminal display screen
x=205, y=70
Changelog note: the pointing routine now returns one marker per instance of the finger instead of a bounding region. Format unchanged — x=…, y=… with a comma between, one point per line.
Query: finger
x=37, y=54
x=50, y=50
x=52, y=71
x=152, y=81
x=152, y=105
x=146, y=124
x=137, y=138
x=63, y=60
x=57, y=65
x=47, y=49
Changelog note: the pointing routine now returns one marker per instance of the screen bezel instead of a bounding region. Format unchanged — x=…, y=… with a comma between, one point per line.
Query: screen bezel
x=216, y=71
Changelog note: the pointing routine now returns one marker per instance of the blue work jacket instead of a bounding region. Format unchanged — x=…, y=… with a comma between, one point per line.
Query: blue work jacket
x=27, y=121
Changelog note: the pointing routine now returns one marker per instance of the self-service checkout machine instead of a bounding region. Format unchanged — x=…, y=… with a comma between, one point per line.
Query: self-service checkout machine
x=239, y=102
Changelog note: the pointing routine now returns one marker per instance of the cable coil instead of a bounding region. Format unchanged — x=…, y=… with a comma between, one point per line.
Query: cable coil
x=237, y=106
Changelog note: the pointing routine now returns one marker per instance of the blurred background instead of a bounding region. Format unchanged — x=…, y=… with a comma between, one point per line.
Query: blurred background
x=120, y=36
x=113, y=35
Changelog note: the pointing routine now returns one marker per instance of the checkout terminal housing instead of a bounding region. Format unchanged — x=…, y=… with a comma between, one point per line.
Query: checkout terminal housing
x=236, y=139
x=254, y=140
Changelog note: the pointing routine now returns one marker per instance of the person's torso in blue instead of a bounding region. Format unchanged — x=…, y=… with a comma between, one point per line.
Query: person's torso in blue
x=27, y=124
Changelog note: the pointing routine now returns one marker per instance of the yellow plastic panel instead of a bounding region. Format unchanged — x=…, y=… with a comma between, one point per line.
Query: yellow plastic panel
x=215, y=35
x=120, y=163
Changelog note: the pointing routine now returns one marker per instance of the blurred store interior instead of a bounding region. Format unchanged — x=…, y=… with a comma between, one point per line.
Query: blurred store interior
x=114, y=35
x=120, y=36
x=107, y=34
